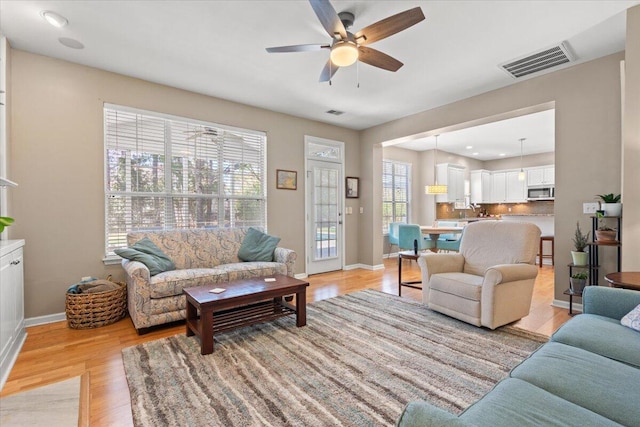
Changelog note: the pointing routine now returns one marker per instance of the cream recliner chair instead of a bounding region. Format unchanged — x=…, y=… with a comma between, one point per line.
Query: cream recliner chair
x=490, y=281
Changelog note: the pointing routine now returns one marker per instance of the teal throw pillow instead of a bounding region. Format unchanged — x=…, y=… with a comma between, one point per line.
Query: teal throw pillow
x=257, y=246
x=149, y=254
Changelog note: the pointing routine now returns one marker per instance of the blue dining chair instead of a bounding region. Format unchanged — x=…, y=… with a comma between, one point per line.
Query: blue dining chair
x=393, y=234
x=449, y=242
x=410, y=233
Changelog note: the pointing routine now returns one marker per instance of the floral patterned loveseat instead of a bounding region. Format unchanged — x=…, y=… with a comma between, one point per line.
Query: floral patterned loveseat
x=202, y=257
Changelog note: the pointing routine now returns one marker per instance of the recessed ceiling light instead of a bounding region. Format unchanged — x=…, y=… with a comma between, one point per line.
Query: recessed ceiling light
x=54, y=19
x=72, y=43
x=475, y=154
x=502, y=154
x=469, y=147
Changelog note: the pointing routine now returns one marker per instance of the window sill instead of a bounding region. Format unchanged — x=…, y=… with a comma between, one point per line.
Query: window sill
x=112, y=260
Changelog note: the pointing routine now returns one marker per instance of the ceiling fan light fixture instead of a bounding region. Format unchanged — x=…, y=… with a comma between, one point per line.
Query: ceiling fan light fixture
x=344, y=53
x=54, y=18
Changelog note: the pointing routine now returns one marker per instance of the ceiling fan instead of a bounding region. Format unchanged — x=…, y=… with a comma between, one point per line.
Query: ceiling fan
x=346, y=47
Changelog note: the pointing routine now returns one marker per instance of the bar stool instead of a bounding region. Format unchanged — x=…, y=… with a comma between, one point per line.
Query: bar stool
x=541, y=253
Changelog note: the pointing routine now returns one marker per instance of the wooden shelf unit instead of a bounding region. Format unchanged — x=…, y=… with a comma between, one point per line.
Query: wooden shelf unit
x=594, y=248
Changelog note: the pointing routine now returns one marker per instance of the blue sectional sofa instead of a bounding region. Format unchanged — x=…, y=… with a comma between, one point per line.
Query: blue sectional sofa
x=588, y=374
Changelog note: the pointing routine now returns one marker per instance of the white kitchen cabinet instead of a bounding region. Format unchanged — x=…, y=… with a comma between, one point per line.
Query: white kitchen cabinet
x=453, y=177
x=499, y=187
x=12, y=330
x=481, y=186
x=516, y=190
x=541, y=176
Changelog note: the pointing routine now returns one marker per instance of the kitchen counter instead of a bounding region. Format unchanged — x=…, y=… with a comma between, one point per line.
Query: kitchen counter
x=544, y=221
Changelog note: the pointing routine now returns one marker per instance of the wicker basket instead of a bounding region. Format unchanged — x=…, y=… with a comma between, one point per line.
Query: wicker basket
x=92, y=310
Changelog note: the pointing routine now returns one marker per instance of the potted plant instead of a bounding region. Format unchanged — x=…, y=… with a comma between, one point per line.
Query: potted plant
x=611, y=205
x=604, y=233
x=580, y=242
x=577, y=282
x=5, y=221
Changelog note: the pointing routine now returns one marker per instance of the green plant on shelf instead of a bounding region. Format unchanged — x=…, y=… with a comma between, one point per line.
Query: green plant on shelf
x=580, y=240
x=581, y=276
x=602, y=226
x=609, y=198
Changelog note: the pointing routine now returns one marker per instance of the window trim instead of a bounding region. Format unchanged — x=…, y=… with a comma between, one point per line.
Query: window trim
x=110, y=258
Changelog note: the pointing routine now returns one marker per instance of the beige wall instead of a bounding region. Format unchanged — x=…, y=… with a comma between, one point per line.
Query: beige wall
x=587, y=156
x=57, y=159
x=631, y=146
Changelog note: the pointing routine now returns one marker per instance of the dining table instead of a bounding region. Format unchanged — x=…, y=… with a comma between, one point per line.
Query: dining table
x=435, y=232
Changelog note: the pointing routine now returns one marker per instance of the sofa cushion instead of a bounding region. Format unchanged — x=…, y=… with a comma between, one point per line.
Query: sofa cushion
x=463, y=285
x=146, y=252
x=514, y=402
x=171, y=283
x=632, y=319
x=594, y=382
x=601, y=335
x=257, y=246
x=246, y=270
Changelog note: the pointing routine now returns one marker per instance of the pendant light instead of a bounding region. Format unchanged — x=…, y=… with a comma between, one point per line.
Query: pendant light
x=436, y=188
x=521, y=175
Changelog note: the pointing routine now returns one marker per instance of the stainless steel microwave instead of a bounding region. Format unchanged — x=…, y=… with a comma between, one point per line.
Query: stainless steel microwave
x=540, y=193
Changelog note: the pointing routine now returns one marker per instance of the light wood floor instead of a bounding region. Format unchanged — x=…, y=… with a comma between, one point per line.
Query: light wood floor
x=54, y=353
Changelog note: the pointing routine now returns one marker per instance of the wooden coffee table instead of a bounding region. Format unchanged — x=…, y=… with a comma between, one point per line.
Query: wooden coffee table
x=244, y=302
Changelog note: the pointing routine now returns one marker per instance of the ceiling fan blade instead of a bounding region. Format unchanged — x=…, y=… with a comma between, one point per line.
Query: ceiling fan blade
x=389, y=26
x=298, y=48
x=328, y=71
x=378, y=59
x=328, y=18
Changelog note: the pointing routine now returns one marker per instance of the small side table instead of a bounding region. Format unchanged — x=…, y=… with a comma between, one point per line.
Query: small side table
x=410, y=255
x=626, y=280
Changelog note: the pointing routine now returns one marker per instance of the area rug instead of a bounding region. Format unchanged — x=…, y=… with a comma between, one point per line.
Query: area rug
x=358, y=361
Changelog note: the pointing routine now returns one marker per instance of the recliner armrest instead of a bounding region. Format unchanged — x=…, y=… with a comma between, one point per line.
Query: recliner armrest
x=439, y=263
x=504, y=273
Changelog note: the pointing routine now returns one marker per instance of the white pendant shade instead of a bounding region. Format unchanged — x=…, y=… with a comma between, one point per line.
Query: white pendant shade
x=436, y=188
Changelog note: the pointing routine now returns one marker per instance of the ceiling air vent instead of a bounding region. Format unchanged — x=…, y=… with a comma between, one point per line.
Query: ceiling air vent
x=539, y=61
x=335, y=112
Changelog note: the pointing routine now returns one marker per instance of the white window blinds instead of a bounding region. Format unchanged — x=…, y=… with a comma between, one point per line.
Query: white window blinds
x=164, y=172
x=395, y=193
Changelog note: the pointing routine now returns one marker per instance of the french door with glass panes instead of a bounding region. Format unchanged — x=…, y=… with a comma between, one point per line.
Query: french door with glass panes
x=324, y=186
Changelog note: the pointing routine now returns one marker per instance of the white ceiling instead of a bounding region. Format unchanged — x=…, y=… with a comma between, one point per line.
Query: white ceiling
x=218, y=48
x=496, y=140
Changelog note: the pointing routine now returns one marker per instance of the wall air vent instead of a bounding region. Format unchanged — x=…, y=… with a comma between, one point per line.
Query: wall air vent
x=335, y=112
x=539, y=61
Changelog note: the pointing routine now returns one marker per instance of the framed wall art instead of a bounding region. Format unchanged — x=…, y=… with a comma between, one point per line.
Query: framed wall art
x=286, y=180
x=353, y=184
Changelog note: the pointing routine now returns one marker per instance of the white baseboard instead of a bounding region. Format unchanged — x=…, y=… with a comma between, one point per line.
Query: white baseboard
x=391, y=255
x=301, y=276
x=43, y=320
x=364, y=267
x=565, y=304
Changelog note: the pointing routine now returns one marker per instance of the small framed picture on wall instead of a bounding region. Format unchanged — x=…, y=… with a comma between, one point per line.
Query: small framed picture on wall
x=286, y=180
x=353, y=184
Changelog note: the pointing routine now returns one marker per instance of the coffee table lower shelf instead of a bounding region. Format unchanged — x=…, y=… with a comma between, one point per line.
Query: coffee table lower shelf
x=248, y=315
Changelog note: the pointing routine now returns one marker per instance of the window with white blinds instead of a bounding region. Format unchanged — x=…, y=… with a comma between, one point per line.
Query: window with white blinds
x=164, y=172
x=395, y=193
